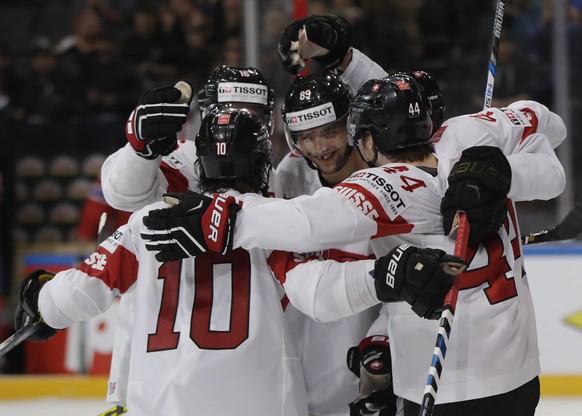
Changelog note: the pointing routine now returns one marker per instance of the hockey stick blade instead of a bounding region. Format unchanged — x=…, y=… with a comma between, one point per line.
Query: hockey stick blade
x=19, y=336
x=569, y=228
x=114, y=411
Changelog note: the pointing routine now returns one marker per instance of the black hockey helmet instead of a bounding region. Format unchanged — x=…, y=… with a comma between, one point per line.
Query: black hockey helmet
x=229, y=142
x=313, y=101
x=393, y=112
x=229, y=86
x=432, y=92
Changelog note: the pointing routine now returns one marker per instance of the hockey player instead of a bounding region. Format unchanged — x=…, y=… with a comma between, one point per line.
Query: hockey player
x=154, y=161
x=148, y=166
x=208, y=334
x=399, y=203
x=507, y=129
x=314, y=115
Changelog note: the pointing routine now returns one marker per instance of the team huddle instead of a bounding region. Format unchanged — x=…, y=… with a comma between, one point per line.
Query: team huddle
x=246, y=288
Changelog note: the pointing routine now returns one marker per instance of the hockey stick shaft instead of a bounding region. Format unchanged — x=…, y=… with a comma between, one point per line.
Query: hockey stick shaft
x=570, y=227
x=114, y=411
x=446, y=323
x=22, y=334
x=492, y=66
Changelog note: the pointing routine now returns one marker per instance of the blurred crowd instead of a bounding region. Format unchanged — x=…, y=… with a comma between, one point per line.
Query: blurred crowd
x=95, y=62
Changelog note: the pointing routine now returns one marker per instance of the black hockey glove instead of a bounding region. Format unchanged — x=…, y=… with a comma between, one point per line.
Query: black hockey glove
x=329, y=39
x=27, y=308
x=371, y=362
x=151, y=128
x=419, y=276
x=478, y=185
x=192, y=225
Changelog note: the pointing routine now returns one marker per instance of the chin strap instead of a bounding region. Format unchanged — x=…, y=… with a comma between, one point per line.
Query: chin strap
x=371, y=163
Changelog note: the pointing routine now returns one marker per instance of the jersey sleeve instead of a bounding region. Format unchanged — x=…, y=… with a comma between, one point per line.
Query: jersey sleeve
x=547, y=122
x=78, y=294
x=303, y=224
x=131, y=182
x=536, y=172
x=361, y=69
x=327, y=290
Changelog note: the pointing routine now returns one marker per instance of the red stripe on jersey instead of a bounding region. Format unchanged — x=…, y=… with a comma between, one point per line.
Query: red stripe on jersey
x=281, y=262
x=371, y=207
x=533, y=119
x=177, y=182
x=343, y=256
x=117, y=270
x=437, y=136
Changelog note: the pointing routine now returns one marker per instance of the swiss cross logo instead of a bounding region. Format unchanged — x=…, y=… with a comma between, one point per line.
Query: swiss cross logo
x=376, y=88
x=97, y=261
x=293, y=119
x=223, y=119
x=227, y=89
x=403, y=85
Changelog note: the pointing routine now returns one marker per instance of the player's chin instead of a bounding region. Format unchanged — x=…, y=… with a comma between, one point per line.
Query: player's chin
x=328, y=163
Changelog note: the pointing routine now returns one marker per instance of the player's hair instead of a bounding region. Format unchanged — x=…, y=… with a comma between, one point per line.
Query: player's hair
x=233, y=151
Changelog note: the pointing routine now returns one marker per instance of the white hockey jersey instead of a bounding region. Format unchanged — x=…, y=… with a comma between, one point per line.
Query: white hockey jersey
x=131, y=182
x=208, y=334
x=493, y=345
x=322, y=346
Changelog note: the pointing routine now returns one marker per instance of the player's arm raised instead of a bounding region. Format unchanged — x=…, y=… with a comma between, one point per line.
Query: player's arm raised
x=131, y=177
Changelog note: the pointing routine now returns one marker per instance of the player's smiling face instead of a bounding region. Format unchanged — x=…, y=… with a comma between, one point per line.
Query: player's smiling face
x=325, y=146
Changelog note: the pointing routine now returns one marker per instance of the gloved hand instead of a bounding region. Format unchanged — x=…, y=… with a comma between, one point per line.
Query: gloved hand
x=478, y=185
x=326, y=39
x=27, y=308
x=192, y=225
x=160, y=114
x=419, y=276
x=371, y=362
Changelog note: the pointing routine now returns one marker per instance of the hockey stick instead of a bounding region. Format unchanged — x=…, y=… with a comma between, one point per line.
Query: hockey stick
x=492, y=67
x=446, y=323
x=570, y=227
x=114, y=411
x=19, y=336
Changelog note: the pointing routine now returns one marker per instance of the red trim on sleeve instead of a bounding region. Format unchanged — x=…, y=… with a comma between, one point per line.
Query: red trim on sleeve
x=177, y=182
x=118, y=270
x=533, y=119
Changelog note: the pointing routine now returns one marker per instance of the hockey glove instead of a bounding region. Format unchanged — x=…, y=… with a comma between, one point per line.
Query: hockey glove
x=151, y=128
x=192, y=225
x=27, y=308
x=326, y=39
x=372, y=363
x=478, y=185
x=419, y=276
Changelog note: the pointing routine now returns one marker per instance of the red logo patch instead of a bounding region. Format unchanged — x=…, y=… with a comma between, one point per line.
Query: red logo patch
x=403, y=85
x=223, y=119
x=375, y=88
